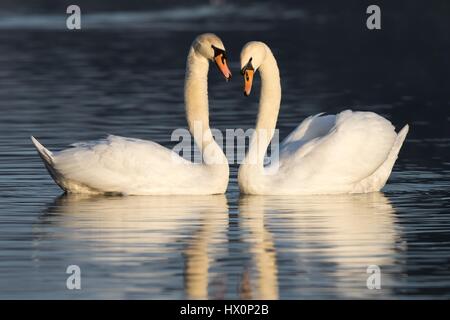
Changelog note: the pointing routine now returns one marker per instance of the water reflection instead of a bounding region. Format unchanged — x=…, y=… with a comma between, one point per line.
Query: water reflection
x=142, y=231
x=261, y=249
x=319, y=243
x=183, y=247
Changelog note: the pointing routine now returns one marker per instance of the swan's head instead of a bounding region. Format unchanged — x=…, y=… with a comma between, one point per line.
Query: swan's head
x=252, y=56
x=211, y=47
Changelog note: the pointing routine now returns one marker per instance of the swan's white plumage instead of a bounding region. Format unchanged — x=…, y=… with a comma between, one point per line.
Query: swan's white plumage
x=129, y=166
x=139, y=167
x=335, y=153
x=351, y=152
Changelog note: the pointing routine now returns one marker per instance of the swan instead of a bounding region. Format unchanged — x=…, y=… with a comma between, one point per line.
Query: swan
x=128, y=166
x=350, y=152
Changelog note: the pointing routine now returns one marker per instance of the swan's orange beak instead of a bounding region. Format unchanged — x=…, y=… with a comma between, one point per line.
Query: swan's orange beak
x=221, y=62
x=248, y=81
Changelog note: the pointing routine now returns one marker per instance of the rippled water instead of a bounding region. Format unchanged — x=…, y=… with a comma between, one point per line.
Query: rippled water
x=123, y=74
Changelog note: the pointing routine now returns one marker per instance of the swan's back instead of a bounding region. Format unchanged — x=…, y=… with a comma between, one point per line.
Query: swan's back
x=122, y=165
x=334, y=154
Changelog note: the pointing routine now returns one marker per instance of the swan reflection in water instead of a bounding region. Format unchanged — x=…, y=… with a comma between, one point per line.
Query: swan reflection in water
x=180, y=247
x=322, y=243
x=161, y=239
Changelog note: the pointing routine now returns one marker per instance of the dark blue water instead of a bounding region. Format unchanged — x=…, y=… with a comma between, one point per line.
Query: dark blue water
x=123, y=74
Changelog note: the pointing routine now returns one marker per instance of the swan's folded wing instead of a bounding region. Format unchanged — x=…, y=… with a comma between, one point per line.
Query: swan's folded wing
x=115, y=162
x=310, y=128
x=355, y=146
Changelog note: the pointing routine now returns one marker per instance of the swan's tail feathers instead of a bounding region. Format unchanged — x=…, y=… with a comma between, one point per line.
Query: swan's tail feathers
x=401, y=137
x=389, y=163
x=49, y=162
x=46, y=155
x=378, y=179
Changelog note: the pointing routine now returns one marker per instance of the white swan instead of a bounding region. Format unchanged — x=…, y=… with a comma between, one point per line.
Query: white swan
x=138, y=167
x=351, y=152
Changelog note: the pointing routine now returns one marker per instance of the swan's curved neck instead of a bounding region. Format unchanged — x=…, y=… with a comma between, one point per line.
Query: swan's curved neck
x=252, y=168
x=197, y=114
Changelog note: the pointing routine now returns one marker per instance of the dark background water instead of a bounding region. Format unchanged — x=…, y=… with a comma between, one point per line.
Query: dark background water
x=123, y=74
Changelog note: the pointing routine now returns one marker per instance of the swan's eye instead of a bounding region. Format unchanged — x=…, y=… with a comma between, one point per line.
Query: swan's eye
x=218, y=52
x=248, y=66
